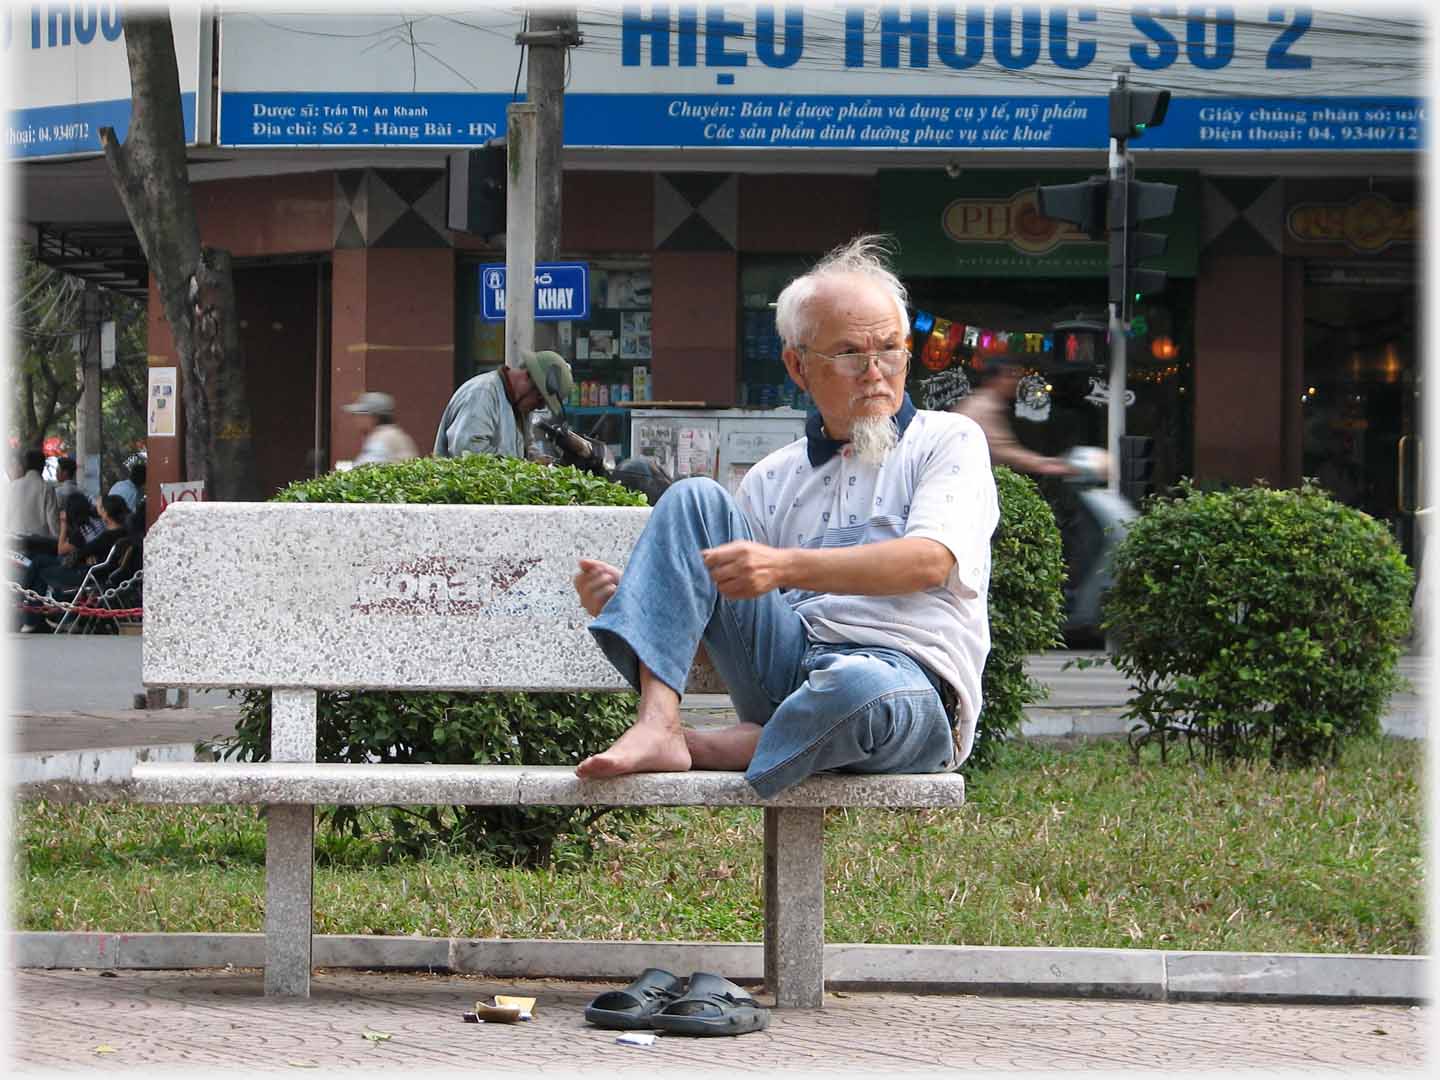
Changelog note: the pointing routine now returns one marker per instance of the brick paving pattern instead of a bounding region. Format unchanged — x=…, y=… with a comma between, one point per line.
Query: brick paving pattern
x=219, y=1020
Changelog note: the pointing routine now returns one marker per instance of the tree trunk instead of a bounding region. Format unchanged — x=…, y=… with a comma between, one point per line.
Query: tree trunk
x=197, y=288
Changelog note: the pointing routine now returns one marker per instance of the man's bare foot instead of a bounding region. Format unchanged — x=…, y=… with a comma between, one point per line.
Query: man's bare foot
x=651, y=745
x=727, y=748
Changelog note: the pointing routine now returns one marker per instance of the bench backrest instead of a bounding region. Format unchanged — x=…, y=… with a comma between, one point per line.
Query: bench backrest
x=377, y=596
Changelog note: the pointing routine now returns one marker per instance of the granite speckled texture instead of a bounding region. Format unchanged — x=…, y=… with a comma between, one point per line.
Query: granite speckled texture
x=289, y=899
x=292, y=725
x=376, y=595
x=515, y=785
x=795, y=906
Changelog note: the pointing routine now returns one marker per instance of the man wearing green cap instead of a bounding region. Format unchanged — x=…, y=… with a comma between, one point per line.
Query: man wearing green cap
x=487, y=414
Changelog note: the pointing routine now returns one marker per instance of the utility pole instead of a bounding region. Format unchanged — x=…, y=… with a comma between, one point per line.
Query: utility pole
x=87, y=408
x=549, y=35
x=520, y=125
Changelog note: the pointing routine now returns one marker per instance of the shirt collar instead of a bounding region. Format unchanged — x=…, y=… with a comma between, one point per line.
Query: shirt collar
x=821, y=448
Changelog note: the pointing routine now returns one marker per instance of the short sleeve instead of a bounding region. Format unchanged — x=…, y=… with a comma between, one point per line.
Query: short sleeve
x=954, y=500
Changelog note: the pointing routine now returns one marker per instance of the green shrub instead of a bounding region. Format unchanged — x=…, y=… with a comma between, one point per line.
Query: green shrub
x=1257, y=622
x=1026, y=608
x=458, y=728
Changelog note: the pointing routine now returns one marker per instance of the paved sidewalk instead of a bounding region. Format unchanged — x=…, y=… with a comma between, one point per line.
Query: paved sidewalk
x=218, y=1020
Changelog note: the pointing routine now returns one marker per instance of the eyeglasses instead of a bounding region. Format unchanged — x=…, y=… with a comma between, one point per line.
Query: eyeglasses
x=890, y=361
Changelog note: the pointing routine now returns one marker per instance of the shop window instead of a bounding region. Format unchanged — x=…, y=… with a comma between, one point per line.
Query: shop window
x=764, y=382
x=1065, y=406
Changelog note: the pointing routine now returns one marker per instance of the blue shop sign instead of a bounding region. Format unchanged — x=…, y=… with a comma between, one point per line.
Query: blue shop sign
x=562, y=291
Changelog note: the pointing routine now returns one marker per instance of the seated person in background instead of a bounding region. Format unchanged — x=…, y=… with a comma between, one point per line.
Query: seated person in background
x=85, y=539
x=489, y=413
x=65, y=485
x=132, y=488
x=30, y=511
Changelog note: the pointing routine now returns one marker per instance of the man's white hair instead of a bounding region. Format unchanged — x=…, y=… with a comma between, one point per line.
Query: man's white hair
x=866, y=256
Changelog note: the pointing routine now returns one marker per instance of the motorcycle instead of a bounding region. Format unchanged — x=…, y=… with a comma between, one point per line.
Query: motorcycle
x=1100, y=522
x=593, y=456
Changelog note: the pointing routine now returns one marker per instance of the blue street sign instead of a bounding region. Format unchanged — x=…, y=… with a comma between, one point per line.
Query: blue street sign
x=562, y=291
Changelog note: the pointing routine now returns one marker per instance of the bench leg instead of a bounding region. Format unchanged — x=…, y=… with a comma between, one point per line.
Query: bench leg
x=795, y=905
x=290, y=854
x=289, y=894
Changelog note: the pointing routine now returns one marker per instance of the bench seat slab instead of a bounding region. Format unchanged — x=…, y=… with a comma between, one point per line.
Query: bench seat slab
x=514, y=785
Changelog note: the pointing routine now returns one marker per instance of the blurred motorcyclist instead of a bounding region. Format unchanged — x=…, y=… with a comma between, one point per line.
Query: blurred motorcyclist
x=990, y=406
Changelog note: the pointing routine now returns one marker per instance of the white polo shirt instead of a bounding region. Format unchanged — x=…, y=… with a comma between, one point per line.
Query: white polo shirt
x=936, y=484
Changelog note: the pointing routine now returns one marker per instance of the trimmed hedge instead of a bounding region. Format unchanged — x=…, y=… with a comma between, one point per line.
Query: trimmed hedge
x=1027, y=572
x=1259, y=623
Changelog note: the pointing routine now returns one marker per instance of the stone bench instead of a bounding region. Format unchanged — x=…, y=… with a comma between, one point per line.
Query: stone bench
x=296, y=598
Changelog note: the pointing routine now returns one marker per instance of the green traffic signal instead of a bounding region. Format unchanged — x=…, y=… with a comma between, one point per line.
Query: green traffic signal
x=1134, y=112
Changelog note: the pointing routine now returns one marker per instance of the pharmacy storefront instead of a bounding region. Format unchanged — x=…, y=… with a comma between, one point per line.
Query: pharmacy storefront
x=711, y=152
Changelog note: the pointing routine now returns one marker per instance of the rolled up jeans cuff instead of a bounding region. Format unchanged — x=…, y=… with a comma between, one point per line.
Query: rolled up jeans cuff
x=615, y=644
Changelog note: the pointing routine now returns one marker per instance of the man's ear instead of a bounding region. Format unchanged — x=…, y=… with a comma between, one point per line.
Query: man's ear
x=795, y=366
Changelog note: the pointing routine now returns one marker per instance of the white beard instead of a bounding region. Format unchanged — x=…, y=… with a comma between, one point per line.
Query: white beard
x=873, y=437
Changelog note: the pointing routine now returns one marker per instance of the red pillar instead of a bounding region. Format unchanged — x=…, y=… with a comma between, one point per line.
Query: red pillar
x=393, y=330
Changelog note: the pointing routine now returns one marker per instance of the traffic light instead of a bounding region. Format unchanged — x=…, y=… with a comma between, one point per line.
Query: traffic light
x=1078, y=344
x=1133, y=112
x=1137, y=467
x=1081, y=204
x=1131, y=202
x=475, y=190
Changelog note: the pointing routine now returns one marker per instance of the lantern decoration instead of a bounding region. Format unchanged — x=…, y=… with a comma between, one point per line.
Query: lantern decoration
x=938, y=352
x=1164, y=348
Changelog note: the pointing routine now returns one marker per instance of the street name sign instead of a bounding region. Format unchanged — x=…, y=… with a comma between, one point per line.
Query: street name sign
x=562, y=291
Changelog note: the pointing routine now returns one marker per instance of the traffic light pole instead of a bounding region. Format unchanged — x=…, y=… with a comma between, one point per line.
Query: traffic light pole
x=1119, y=169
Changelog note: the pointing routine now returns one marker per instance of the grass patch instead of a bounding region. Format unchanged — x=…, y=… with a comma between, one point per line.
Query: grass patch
x=1079, y=848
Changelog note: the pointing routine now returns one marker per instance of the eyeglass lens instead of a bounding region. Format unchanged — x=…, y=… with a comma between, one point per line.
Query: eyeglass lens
x=890, y=361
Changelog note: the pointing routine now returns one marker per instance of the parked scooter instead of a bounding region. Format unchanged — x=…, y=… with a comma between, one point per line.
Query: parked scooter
x=1101, y=522
x=594, y=457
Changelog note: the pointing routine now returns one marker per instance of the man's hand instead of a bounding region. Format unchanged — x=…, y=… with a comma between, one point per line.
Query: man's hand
x=743, y=569
x=595, y=584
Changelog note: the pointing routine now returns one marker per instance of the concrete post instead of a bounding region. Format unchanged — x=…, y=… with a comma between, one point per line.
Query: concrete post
x=290, y=854
x=795, y=905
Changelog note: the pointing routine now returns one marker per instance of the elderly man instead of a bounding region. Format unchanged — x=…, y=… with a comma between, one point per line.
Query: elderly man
x=842, y=594
x=487, y=414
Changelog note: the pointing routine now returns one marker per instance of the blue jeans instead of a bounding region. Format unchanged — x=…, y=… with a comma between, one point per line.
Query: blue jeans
x=855, y=708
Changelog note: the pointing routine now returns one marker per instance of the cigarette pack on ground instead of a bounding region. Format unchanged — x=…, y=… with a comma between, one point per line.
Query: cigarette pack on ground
x=504, y=1010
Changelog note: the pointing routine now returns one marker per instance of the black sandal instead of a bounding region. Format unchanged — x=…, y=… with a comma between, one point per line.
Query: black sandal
x=630, y=1009
x=712, y=1005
